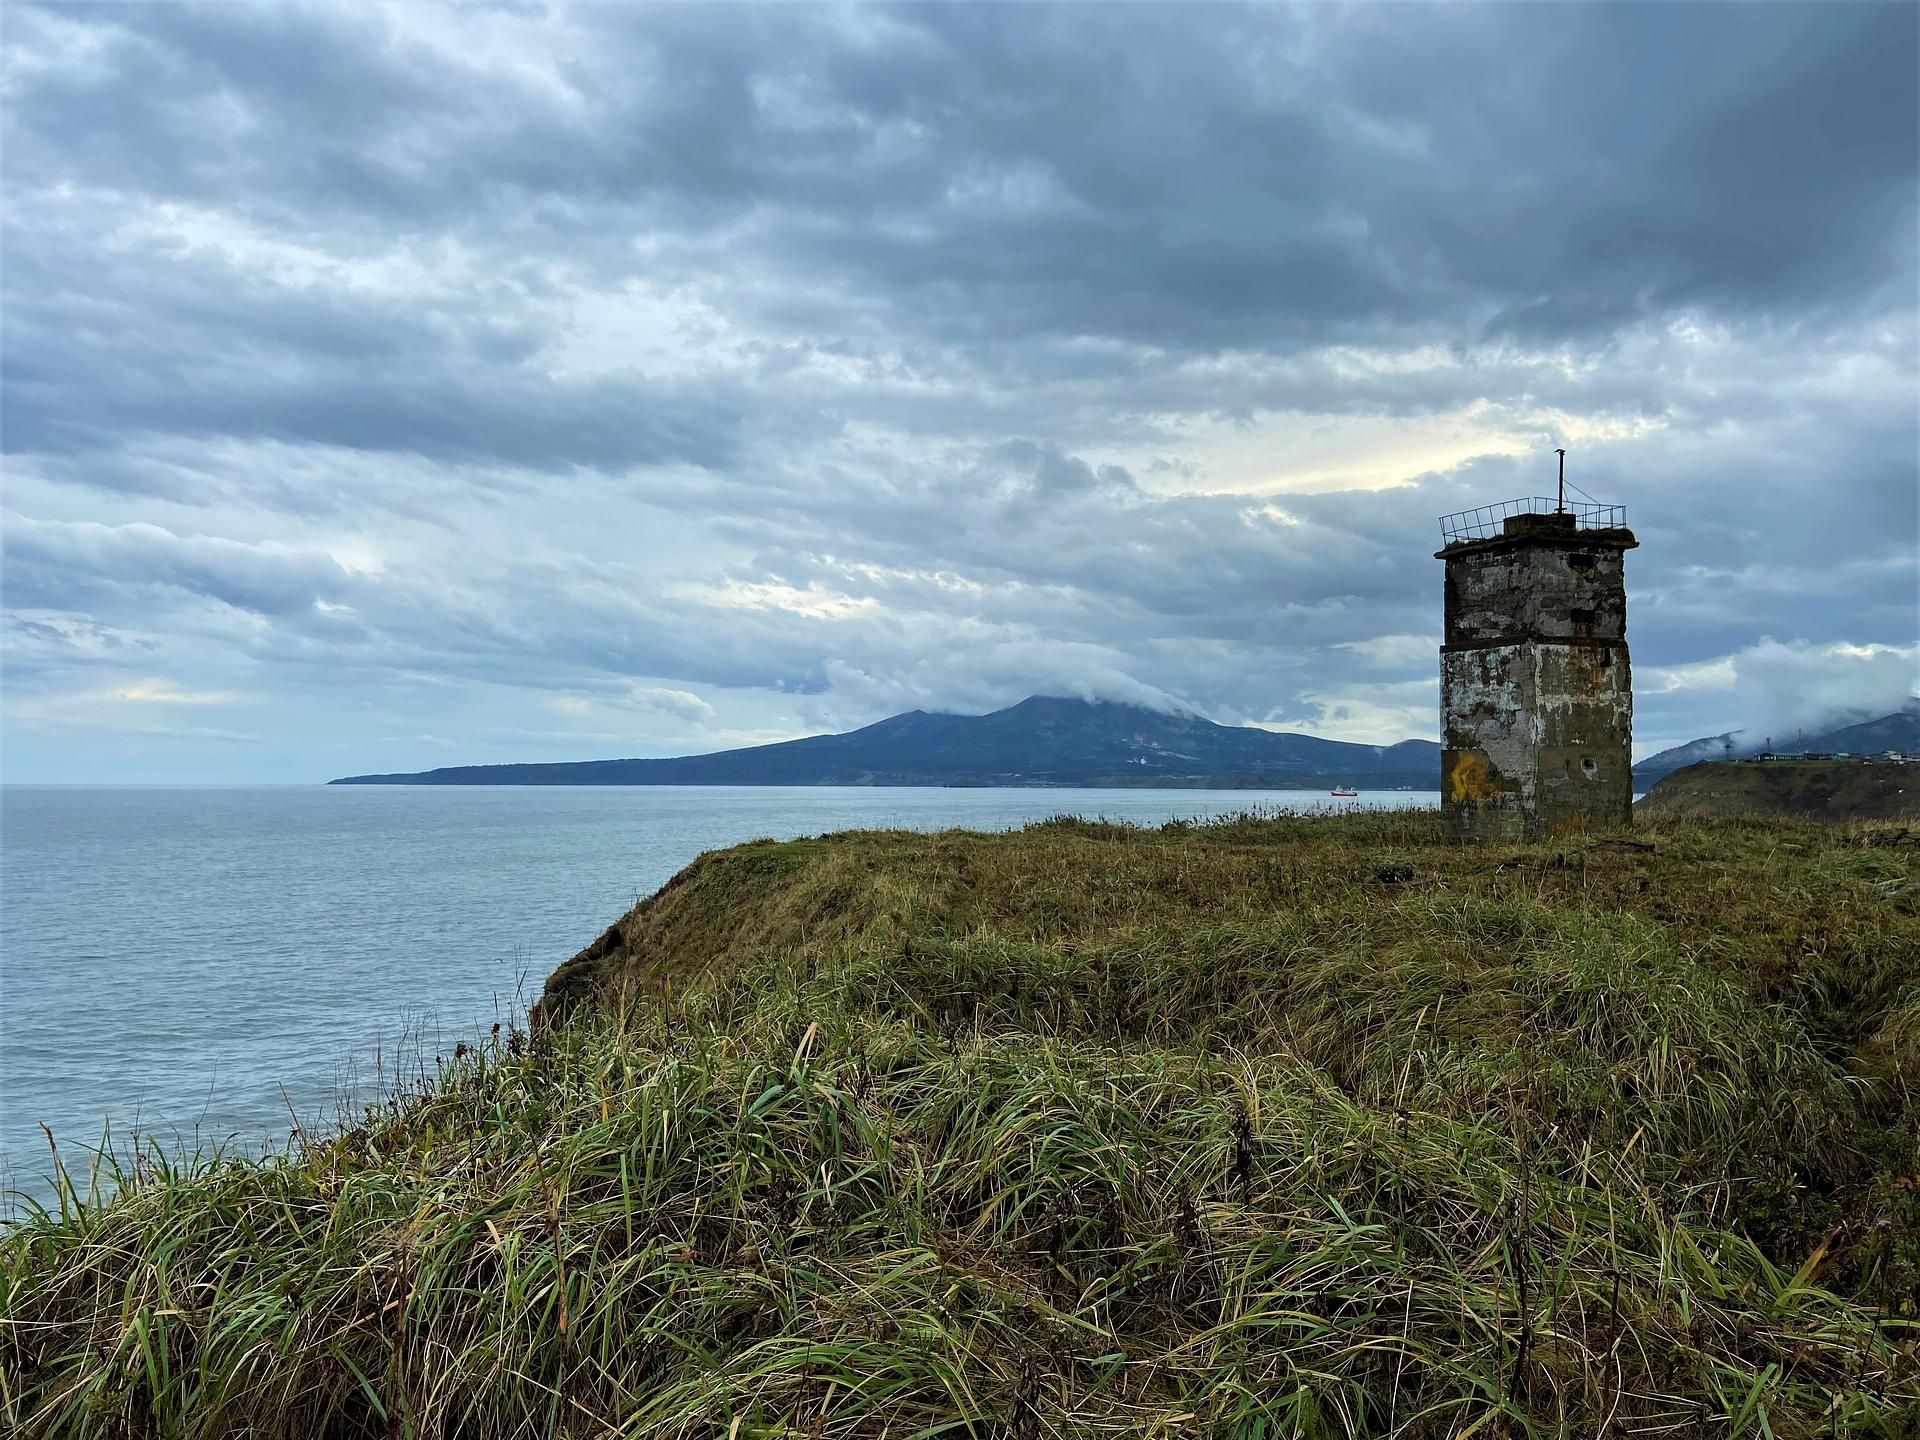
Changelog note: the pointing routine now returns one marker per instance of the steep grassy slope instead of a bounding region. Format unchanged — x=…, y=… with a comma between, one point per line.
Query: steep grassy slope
x=1258, y=1129
x=1822, y=789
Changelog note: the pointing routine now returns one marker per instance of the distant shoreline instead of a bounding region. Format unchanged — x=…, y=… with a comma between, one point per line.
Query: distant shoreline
x=1158, y=782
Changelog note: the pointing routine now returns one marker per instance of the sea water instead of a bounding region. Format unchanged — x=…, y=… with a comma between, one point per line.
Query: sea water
x=205, y=965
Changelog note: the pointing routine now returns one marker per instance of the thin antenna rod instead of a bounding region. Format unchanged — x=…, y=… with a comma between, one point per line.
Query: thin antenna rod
x=1560, y=508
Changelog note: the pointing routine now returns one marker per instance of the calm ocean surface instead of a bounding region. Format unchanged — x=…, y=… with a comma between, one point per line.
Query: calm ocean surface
x=179, y=958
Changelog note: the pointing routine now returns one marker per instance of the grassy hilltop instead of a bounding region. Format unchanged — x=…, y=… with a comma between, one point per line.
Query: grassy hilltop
x=1262, y=1128
x=1822, y=789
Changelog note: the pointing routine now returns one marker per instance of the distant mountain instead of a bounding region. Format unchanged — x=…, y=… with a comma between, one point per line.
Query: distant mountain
x=1898, y=731
x=1041, y=741
x=1730, y=745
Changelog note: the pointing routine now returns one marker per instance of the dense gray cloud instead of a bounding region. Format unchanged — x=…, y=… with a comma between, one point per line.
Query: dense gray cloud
x=383, y=385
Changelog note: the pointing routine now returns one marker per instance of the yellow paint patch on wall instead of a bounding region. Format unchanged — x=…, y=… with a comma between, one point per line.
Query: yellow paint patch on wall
x=1470, y=778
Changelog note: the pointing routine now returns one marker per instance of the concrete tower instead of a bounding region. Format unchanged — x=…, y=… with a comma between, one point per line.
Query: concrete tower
x=1536, y=697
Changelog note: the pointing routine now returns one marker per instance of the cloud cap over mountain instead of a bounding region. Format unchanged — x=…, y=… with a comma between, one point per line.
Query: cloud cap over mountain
x=416, y=387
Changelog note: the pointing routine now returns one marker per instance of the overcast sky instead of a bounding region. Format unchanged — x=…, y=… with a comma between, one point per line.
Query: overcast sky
x=389, y=387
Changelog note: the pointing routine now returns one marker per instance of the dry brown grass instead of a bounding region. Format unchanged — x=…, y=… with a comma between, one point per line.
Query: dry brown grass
x=1255, y=1129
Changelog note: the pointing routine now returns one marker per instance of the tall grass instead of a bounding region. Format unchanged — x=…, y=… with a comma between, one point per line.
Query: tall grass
x=1212, y=1131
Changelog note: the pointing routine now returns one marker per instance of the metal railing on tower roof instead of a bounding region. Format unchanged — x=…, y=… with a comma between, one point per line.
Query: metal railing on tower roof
x=1484, y=522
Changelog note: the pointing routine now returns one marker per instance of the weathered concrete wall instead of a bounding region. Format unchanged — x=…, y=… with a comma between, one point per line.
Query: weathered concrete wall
x=1488, y=734
x=1537, y=593
x=1536, y=694
x=1583, y=769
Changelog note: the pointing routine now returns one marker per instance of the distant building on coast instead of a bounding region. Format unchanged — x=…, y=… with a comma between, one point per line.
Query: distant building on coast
x=1536, y=690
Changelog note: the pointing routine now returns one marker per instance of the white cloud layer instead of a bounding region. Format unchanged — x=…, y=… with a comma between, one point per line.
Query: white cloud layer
x=410, y=385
